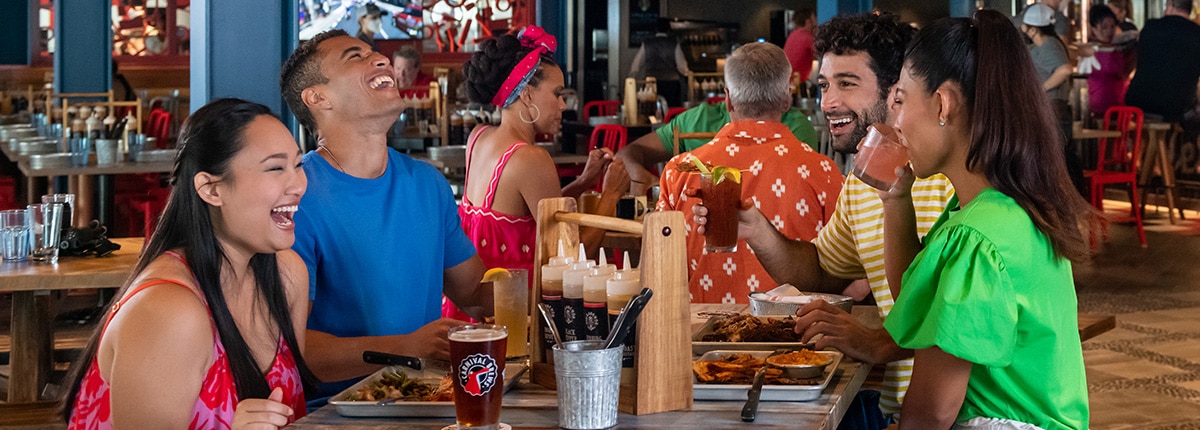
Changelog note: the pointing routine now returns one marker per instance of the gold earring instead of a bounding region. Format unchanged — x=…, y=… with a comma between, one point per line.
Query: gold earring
x=536, y=115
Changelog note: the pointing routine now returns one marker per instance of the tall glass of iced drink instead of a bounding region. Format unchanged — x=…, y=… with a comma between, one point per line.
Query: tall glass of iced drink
x=511, y=302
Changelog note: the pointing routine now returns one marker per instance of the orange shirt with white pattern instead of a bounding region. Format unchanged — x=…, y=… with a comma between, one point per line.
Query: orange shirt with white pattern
x=795, y=187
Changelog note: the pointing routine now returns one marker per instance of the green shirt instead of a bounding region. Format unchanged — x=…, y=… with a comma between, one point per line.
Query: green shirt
x=988, y=288
x=710, y=117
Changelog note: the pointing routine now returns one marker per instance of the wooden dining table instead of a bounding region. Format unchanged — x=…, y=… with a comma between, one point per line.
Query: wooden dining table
x=30, y=284
x=529, y=406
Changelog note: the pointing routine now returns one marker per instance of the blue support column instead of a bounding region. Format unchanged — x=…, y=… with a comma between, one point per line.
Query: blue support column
x=238, y=48
x=827, y=9
x=552, y=16
x=83, y=48
x=962, y=8
x=18, y=20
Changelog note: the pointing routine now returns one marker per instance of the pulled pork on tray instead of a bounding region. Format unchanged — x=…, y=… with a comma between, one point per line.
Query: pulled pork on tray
x=749, y=328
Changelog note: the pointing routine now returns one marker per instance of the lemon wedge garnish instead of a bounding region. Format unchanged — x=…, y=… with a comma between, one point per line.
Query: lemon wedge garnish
x=496, y=274
x=722, y=172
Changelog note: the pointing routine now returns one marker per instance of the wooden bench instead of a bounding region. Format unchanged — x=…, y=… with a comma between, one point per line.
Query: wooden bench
x=38, y=415
x=67, y=343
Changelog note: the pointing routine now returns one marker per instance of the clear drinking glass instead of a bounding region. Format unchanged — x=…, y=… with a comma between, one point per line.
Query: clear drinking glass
x=14, y=235
x=878, y=157
x=137, y=143
x=81, y=148
x=45, y=222
x=68, y=201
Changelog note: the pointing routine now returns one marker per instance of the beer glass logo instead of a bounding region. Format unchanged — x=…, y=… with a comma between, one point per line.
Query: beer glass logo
x=477, y=374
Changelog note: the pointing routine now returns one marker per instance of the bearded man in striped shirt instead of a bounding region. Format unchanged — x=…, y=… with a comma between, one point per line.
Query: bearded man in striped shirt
x=861, y=57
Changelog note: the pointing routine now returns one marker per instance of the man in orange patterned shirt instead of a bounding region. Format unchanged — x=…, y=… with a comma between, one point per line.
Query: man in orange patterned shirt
x=794, y=186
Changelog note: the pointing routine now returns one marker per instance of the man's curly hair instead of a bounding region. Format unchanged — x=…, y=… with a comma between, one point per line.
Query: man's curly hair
x=882, y=36
x=488, y=67
x=303, y=70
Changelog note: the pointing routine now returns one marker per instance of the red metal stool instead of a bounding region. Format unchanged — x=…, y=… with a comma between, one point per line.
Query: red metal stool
x=1117, y=162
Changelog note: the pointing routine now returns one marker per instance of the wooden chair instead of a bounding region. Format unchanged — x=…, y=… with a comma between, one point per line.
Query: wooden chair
x=1117, y=161
x=1158, y=154
x=679, y=137
x=602, y=108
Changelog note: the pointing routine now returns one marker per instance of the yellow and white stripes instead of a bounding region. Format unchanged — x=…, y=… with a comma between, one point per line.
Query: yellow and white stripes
x=851, y=247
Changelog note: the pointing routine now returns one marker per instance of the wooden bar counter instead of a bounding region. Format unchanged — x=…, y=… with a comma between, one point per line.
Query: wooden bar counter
x=530, y=406
x=30, y=283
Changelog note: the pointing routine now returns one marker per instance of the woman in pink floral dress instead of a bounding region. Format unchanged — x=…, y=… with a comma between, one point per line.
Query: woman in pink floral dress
x=205, y=333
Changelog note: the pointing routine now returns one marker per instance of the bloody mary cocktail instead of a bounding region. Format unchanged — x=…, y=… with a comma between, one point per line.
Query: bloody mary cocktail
x=722, y=195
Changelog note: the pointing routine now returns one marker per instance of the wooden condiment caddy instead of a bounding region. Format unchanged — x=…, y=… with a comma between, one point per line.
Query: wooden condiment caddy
x=663, y=371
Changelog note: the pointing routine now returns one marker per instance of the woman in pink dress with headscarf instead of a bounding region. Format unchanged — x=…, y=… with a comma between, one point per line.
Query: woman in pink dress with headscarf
x=507, y=175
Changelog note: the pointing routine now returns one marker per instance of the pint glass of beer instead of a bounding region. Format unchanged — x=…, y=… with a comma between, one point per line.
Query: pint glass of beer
x=477, y=363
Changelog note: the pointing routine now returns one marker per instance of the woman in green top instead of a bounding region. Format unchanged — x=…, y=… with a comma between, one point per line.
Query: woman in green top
x=987, y=302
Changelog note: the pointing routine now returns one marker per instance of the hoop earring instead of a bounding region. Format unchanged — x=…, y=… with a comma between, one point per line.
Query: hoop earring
x=536, y=110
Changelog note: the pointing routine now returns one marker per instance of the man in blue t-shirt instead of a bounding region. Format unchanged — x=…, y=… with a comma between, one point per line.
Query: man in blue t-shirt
x=378, y=230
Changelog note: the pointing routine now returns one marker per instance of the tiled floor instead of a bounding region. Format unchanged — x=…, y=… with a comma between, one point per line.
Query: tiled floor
x=1145, y=374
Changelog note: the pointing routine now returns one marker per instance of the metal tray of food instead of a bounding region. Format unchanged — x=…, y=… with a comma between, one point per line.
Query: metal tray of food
x=432, y=376
x=702, y=343
x=803, y=392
